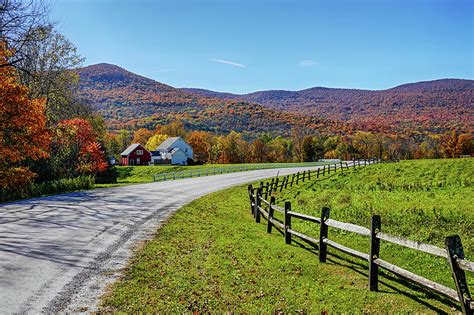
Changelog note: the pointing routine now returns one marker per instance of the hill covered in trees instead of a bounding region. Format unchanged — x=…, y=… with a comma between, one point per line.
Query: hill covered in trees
x=127, y=100
x=433, y=106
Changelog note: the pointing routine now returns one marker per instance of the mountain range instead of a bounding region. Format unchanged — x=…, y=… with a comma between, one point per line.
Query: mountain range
x=128, y=100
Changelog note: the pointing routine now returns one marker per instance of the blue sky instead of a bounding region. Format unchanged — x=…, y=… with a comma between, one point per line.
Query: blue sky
x=242, y=46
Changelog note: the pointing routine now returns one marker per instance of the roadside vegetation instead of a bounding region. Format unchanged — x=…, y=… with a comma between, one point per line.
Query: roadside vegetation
x=212, y=256
x=125, y=175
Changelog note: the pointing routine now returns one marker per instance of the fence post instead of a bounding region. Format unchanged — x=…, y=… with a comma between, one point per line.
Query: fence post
x=375, y=226
x=271, y=187
x=266, y=190
x=323, y=233
x=287, y=180
x=317, y=174
x=276, y=184
x=282, y=184
x=297, y=177
x=287, y=222
x=455, y=251
x=252, y=201
x=304, y=175
x=340, y=166
x=292, y=179
x=309, y=174
x=258, y=205
x=270, y=215
x=255, y=202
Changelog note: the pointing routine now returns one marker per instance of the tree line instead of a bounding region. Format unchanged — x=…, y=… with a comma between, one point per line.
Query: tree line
x=303, y=145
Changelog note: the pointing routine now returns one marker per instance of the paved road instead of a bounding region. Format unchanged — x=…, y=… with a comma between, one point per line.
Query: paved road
x=58, y=253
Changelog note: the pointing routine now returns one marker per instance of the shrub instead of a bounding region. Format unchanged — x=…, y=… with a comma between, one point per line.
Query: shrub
x=109, y=176
x=48, y=188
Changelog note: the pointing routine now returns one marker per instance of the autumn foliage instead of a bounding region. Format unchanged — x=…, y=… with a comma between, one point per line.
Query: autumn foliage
x=91, y=159
x=131, y=101
x=76, y=150
x=23, y=133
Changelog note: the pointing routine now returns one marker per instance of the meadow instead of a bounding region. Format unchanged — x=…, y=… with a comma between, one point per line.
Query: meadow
x=144, y=174
x=212, y=256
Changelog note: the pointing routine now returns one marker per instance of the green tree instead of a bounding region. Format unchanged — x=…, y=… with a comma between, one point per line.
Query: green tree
x=308, y=149
x=47, y=68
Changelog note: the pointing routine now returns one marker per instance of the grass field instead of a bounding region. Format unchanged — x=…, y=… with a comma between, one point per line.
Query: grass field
x=144, y=174
x=212, y=256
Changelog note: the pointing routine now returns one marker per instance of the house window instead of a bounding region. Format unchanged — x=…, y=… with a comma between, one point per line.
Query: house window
x=139, y=152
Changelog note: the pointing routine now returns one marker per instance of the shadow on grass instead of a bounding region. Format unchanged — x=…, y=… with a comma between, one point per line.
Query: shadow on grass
x=363, y=269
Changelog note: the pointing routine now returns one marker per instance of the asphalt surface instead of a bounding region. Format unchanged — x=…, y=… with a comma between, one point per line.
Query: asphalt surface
x=58, y=253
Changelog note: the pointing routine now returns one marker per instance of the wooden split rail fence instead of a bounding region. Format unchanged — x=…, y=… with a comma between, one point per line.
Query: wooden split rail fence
x=221, y=170
x=261, y=205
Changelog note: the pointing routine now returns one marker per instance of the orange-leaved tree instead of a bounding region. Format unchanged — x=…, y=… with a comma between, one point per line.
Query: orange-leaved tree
x=75, y=149
x=200, y=142
x=141, y=136
x=91, y=159
x=23, y=133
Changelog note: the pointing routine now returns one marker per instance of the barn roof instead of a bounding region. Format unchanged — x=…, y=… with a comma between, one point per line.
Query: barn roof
x=130, y=149
x=167, y=143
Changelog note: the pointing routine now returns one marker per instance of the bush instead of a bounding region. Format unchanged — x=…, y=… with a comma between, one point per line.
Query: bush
x=49, y=188
x=109, y=176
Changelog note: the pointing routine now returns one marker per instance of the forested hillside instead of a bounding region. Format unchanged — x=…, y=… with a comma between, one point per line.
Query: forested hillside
x=433, y=106
x=127, y=100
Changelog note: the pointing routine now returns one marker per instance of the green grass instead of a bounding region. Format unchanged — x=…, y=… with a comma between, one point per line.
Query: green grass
x=425, y=201
x=143, y=174
x=212, y=257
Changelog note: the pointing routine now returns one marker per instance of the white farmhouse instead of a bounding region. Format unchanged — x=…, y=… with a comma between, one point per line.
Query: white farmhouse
x=173, y=150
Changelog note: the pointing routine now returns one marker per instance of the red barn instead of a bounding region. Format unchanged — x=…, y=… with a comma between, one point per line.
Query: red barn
x=135, y=154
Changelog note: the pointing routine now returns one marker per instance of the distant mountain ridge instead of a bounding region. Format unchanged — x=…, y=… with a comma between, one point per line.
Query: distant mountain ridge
x=421, y=86
x=430, y=105
x=130, y=100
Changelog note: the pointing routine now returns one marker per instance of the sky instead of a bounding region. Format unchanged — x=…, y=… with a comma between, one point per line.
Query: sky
x=241, y=46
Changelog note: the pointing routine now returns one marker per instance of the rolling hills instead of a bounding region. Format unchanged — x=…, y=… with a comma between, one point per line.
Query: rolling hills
x=432, y=105
x=128, y=100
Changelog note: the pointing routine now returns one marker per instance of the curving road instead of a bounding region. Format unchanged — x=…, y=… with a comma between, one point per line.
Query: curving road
x=58, y=253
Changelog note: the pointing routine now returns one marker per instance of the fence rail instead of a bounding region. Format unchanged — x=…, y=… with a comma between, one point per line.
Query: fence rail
x=453, y=250
x=224, y=170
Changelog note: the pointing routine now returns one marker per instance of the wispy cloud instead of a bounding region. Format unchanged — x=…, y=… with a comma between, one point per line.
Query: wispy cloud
x=307, y=63
x=235, y=64
x=165, y=70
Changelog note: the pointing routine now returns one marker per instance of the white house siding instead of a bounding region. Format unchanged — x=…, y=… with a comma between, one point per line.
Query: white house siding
x=176, y=142
x=179, y=157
